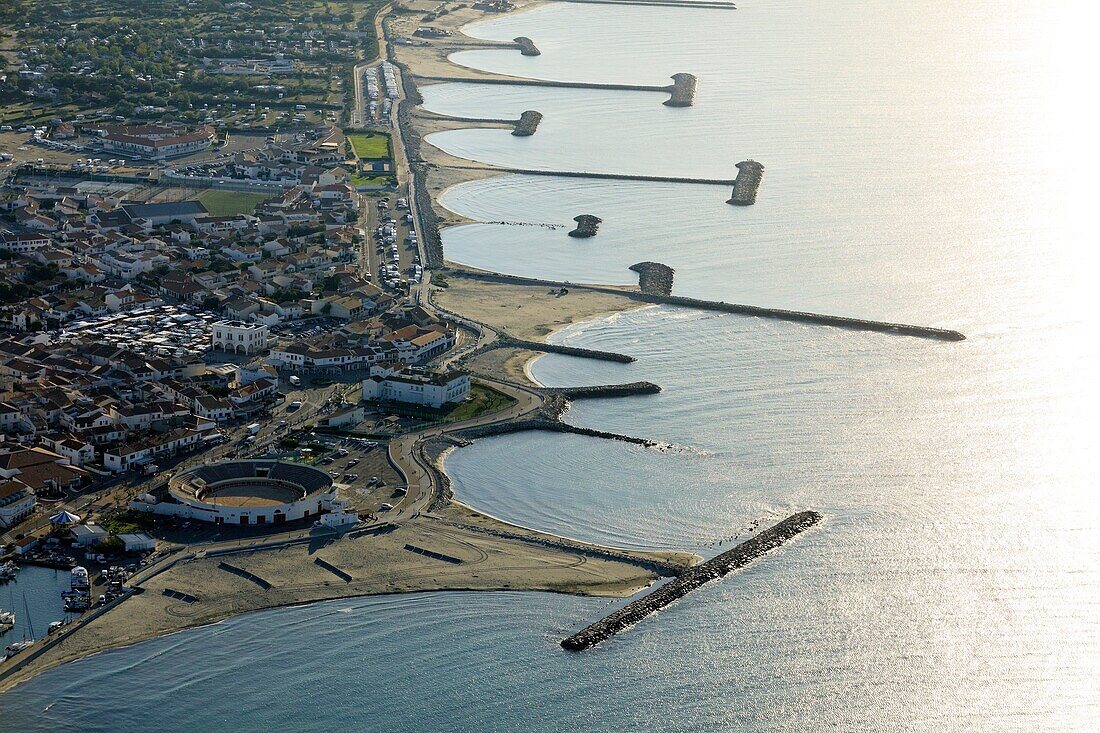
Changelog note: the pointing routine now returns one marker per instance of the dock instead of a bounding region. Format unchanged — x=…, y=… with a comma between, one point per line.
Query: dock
x=690, y=580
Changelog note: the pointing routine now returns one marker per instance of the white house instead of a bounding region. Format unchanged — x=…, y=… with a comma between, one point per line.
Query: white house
x=239, y=337
x=427, y=389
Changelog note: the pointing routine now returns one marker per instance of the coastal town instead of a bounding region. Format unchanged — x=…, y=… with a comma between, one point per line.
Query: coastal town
x=233, y=354
x=219, y=336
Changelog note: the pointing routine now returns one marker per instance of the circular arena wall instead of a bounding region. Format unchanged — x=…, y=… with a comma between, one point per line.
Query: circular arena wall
x=249, y=492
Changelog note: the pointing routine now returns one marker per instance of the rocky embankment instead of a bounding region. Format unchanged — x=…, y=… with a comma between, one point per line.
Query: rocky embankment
x=587, y=226
x=514, y=343
x=690, y=580
x=603, y=390
x=745, y=186
x=550, y=425
x=654, y=278
x=527, y=123
x=527, y=47
x=682, y=90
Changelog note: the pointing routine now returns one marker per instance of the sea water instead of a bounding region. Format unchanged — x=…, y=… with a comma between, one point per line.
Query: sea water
x=928, y=163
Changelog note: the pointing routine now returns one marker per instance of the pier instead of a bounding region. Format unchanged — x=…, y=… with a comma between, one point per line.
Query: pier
x=690, y=580
x=587, y=226
x=747, y=183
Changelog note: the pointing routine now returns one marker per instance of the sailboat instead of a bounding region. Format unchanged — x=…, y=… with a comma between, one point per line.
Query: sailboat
x=12, y=649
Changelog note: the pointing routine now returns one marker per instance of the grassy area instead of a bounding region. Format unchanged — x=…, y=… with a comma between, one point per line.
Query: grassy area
x=228, y=203
x=370, y=145
x=482, y=401
x=370, y=180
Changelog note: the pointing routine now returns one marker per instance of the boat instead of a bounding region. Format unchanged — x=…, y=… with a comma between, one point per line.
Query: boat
x=7, y=621
x=12, y=649
x=7, y=571
x=55, y=626
x=78, y=577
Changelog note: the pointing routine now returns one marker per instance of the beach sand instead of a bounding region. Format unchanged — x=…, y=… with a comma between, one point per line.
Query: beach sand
x=377, y=563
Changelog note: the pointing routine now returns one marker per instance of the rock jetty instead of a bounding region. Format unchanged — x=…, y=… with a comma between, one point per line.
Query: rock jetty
x=654, y=278
x=690, y=580
x=682, y=90
x=527, y=47
x=604, y=390
x=527, y=123
x=821, y=319
x=746, y=184
x=509, y=342
x=587, y=226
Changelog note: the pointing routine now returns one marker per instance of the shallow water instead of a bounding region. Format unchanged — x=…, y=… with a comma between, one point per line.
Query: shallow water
x=926, y=163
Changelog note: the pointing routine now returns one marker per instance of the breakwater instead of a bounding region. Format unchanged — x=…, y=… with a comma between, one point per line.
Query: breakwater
x=547, y=425
x=587, y=226
x=703, y=4
x=603, y=390
x=509, y=342
x=682, y=90
x=654, y=278
x=527, y=47
x=601, y=176
x=527, y=123
x=747, y=183
x=820, y=319
x=690, y=580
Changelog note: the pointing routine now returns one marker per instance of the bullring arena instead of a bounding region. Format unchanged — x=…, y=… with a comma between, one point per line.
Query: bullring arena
x=246, y=492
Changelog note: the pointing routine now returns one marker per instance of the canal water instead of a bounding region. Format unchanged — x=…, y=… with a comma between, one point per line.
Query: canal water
x=926, y=163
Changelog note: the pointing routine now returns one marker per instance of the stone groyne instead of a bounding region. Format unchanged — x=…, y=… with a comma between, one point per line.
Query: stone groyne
x=855, y=324
x=747, y=183
x=690, y=580
x=587, y=226
x=654, y=278
x=527, y=123
x=547, y=425
x=682, y=90
x=703, y=4
x=820, y=319
x=603, y=390
x=601, y=176
x=527, y=47
x=509, y=342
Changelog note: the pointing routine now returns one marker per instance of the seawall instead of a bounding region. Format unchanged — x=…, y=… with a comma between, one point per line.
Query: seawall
x=527, y=123
x=690, y=580
x=587, y=226
x=527, y=47
x=745, y=186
